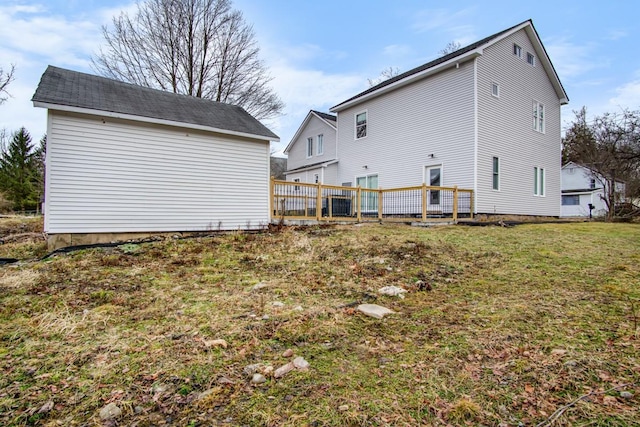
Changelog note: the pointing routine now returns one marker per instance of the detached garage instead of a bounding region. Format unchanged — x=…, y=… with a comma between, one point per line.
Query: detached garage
x=124, y=161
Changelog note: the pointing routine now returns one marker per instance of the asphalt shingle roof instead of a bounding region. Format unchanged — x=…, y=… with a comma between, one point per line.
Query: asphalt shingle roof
x=59, y=86
x=431, y=64
x=326, y=116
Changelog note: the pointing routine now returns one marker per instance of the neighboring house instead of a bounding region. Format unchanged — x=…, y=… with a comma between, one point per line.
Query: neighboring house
x=312, y=153
x=582, y=187
x=485, y=117
x=123, y=158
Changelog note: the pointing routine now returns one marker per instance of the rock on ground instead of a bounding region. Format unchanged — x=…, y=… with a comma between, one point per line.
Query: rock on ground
x=110, y=411
x=374, y=310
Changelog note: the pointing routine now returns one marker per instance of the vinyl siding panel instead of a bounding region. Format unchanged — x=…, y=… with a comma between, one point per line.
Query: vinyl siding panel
x=406, y=126
x=505, y=130
x=111, y=175
x=297, y=156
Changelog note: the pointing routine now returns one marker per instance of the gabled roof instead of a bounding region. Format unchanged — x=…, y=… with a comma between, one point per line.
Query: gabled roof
x=329, y=119
x=466, y=53
x=74, y=91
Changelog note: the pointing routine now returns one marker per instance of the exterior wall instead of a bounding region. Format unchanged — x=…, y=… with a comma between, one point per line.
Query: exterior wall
x=576, y=177
x=595, y=198
x=107, y=175
x=326, y=175
x=297, y=155
x=505, y=130
x=405, y=127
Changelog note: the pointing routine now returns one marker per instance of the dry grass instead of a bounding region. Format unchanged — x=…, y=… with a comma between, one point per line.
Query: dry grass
x=518, y=323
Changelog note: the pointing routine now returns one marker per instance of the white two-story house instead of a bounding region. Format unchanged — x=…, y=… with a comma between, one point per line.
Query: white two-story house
x=485, y=117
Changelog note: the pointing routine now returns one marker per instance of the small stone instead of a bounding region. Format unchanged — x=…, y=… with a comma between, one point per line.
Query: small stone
x=287, y=353
x=374, y=310
x=300, y=363
x=571, y=363
x=277, y=304
x=343, y=408
x=298, y=308
x=110, y=412
x=225, y=380
x=258, y=379
x=558, y=352
x=159, y=388
x=259, y=286
x=46, y=407
x=421, y=285
x=249, y=370
x=265, y=317
x=626, y=394
x=392, y=291
x=267, y=370
x=138, y=409
x=216, y=343
x=283, y=370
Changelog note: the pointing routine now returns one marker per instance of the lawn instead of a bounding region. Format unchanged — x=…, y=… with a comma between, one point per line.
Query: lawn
x=529, y=325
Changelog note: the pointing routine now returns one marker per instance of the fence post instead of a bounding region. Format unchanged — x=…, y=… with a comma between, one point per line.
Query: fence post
x=380, y=204
x=319, y=202
x=455, y=203
x=424, y=202
x=272, y=187
x=358, y=204
x=471, y=207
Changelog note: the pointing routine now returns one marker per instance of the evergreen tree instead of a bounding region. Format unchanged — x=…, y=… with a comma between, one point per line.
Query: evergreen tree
x=18, y=176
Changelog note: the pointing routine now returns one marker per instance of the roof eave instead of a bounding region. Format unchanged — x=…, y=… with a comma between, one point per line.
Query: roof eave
x=410, y=79
x=152, y=120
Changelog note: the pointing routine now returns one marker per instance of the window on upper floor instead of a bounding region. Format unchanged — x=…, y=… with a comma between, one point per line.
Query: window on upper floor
x=320, y=145
x=496, y=173
x=517, y=50
x=571, y=200
x=531, y=60
x=538, y=117
x=361, y=125
x=495, y=89
x=538, y=181
x=309, y=147
x=592, y=183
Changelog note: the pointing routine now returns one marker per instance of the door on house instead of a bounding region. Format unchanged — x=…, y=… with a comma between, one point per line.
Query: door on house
x=368, y=199
x=433, y=177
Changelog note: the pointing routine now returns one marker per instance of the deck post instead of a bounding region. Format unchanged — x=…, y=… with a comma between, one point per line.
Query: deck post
x=380, y=204
x=359, y=204
x=424, y=202
x=319, y=202
x=455, y=203
x=272, y=188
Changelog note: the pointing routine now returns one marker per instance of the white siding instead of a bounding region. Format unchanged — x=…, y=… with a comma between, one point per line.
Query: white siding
x=405, y=127
x=582, y=209
x=110, y=175
x=505, y=130
x=326, y=175
x=297, y=155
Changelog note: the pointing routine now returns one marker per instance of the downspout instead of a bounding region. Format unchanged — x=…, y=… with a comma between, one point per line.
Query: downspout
x=475, y=135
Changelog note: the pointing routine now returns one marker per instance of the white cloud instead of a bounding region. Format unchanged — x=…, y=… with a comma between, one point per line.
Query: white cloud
x=455, y=25
x=397, y=50
x=572, y=60
x=627, y=96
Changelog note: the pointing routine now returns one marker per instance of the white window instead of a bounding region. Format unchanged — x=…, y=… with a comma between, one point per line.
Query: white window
x=309, y=147
x=361, y=125
x=320, y=147
x=495, y=90
x=531, y=59
x=496, y=173
x=296, y=187
x=538, y=181
x=316, y=178
x=538, y=117
x=517, y=50
x=571, y=200
x=368, y=199
x=592, y=183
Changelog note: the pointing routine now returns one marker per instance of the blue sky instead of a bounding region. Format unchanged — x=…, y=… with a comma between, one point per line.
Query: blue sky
x=321, y=53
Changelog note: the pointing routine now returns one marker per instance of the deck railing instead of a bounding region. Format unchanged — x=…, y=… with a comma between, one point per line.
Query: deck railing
x=423, y=203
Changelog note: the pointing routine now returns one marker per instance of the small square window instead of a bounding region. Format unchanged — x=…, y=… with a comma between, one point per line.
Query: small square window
x=531, y=59
x=517, y=50
x=296, y=187
x=316, y=178
x=495, y=90
x=571, y=200
x=592, y=183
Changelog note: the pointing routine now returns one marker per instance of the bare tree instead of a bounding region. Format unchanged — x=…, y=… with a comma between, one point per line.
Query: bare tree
x=452, y=46
x=609, y=146
x=5, y=79
x=201, y=48
x=385, y=74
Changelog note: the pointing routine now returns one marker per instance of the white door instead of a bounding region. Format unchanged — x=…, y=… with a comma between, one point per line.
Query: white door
x=368, y=199
x=433, y=177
